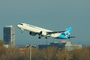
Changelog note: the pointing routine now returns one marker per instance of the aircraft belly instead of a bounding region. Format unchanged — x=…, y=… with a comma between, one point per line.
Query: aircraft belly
x=55, y=35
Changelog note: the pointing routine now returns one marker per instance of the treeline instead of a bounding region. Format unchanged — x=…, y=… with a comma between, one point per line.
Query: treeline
x=50, y=53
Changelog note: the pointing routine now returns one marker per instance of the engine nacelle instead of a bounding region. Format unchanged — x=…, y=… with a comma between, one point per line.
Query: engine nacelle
x=44, y=33
x=32, y=33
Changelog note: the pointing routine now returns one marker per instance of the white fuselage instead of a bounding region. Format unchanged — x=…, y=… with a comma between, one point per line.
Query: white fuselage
x=35, y=29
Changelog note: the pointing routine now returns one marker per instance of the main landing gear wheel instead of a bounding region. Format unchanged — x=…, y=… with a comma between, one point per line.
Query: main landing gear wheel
x=39, y=37
x=22, y=31
x=46, y=37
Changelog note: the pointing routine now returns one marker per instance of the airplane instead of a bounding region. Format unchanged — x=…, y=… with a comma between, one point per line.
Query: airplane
x=34, y=30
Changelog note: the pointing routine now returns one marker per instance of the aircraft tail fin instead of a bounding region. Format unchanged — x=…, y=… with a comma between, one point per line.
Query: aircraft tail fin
x=68, y=31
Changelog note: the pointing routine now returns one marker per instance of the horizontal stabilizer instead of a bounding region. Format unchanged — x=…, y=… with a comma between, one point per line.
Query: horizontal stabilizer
x=71, y=37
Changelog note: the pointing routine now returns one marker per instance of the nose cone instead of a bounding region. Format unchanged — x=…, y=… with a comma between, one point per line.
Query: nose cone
x=18, y=26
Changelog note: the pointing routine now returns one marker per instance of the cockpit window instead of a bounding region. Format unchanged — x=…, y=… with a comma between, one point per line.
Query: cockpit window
x=21, y=24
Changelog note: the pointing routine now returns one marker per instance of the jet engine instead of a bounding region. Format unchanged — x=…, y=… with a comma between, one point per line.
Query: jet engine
x=32, y=33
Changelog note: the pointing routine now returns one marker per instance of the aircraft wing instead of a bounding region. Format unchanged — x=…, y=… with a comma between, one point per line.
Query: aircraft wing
x=55, y=32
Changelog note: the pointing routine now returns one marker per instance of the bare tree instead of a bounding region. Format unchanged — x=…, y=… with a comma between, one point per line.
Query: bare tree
x=64, y=55
x=49, y=53
x=81, y=54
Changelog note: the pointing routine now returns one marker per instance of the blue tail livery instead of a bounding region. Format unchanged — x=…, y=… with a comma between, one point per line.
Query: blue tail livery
x=66, y=34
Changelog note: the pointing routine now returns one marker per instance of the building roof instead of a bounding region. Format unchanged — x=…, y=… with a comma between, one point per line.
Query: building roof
x=9, y=26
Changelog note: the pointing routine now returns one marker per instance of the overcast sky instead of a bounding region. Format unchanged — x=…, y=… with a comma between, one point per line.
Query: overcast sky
x=56, y=15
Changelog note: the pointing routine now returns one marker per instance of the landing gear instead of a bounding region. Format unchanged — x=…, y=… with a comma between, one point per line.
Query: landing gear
x=22, y=31
x=39, y=37
x=46, y=37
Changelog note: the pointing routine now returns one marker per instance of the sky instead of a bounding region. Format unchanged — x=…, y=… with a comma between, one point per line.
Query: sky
x=56, y=15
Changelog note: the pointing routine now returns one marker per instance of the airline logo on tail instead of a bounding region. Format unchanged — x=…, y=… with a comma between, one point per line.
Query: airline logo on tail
x=66, y=34
x=68, y=31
